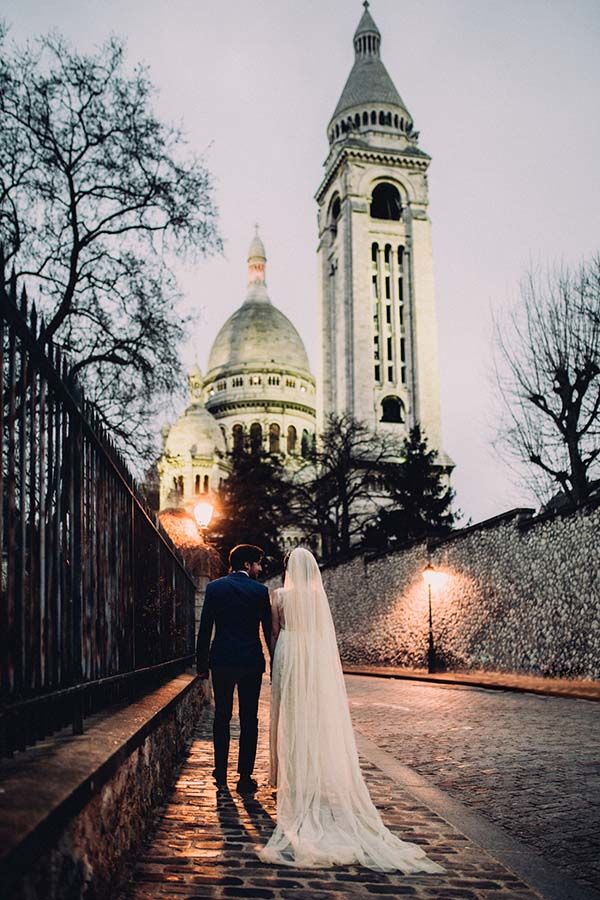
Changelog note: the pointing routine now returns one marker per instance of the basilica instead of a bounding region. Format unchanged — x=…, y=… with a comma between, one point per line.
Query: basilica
x=258, y=391
x=378, y=357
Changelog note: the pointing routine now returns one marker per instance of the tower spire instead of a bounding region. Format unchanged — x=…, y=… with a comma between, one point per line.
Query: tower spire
x=367, y=37
x=257, y=266
x=368, y=83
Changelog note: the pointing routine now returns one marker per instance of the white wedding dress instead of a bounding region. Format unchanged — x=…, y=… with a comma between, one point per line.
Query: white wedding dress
x=325, y=816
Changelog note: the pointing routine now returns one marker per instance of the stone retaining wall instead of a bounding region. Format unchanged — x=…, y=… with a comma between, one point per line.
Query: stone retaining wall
x=513, y=594
x=87, y=854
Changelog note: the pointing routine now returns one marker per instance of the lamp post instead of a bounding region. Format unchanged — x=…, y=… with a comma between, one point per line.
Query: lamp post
x=428, y=576
x=186, y=526
x=202, y=513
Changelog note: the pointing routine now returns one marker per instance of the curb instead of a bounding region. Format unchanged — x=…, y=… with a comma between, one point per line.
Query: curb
x=571, y=690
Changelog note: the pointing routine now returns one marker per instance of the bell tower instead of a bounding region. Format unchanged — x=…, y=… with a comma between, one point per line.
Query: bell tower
x=378, y=353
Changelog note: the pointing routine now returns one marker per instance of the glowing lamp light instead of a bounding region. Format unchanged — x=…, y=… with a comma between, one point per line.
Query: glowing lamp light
x=429, y=574
x=203, y=513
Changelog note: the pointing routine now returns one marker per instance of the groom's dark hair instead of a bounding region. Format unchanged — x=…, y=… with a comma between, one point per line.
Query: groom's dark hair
x=244, y=553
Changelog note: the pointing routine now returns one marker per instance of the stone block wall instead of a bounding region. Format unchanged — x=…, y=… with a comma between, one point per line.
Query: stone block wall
x=89, y=854
x=514, y=594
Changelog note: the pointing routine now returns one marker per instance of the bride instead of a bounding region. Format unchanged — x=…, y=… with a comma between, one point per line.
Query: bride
x=325, y=815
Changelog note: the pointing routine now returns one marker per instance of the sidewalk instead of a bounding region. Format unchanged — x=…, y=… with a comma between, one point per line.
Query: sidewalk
x=205, y=841
x=582, y=689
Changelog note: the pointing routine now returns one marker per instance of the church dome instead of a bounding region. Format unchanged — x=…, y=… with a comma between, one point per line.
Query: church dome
x=257, y=334
x=196, y=431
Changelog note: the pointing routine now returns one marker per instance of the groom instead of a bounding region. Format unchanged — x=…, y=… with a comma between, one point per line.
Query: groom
x=236, y=605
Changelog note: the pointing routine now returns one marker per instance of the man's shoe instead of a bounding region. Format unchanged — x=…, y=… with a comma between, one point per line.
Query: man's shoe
x=246, y=785
x=220, y=778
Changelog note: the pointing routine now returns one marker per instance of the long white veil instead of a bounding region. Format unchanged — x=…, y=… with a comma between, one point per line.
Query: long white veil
x=325, y=815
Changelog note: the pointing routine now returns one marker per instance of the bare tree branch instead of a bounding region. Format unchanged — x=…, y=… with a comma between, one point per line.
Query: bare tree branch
x=548, y=379
x=97, y=196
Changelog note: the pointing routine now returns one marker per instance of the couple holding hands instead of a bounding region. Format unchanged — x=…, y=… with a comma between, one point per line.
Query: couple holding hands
x=325, y=815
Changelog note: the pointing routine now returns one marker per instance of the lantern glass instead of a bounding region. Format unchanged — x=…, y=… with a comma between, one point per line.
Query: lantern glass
x=203, y=513
x=429, y=574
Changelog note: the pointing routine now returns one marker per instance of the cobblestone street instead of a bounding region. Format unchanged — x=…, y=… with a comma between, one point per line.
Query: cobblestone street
x=529, y=763
x=204, y=842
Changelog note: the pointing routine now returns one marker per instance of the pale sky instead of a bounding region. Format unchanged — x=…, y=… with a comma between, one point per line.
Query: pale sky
x=506, y=96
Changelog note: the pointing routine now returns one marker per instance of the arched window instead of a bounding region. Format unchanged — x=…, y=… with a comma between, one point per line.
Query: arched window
x=357, y=120
x=305, y=444
x=373, y=118
x=238, y=438
x=401, y=123
x=365, y=118
x=180, y=485
x=255, y=437
x=396, y=120
x=343, y=127
x=335, y=209
x=197, y=485
x=382, y=118
x=274, y=433
x=385, y=202
x=337, y=131
x=292, y=438
x=388, y=119
x=392, y=410
x=206, y=484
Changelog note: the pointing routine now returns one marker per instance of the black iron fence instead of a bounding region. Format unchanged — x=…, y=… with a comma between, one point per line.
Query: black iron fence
x=95, y=604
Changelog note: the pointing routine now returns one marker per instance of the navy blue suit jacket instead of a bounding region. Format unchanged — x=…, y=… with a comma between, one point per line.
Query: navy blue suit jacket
x=236, y=605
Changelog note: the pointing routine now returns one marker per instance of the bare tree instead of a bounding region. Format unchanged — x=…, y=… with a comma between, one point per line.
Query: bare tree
x=338, y=493
x=96, y=198
x=548, y=375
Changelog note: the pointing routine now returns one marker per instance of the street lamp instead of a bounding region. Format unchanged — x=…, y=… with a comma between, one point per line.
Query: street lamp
x=203, y=513
x=428, y=577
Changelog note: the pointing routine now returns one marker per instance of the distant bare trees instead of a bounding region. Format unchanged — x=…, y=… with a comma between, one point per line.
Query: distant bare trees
x=548, y=375
x=337, y=494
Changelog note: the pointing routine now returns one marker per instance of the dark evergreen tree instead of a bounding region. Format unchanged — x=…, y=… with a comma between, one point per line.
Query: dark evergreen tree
x=253, y=505
x=421, y=501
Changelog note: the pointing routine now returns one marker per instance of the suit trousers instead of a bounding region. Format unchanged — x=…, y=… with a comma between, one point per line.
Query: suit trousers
x=248, y=682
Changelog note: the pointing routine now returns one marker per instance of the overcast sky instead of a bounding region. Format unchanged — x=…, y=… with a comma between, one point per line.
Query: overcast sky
x=506, y=96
